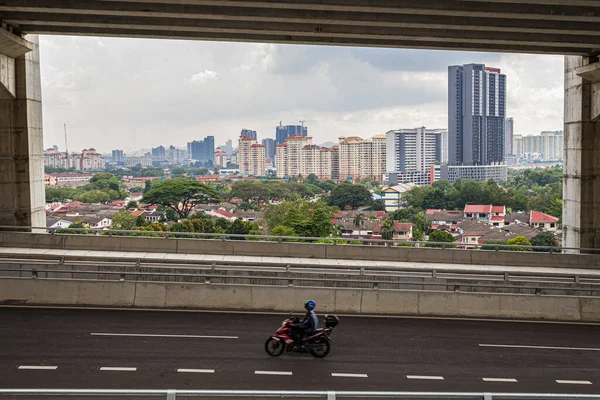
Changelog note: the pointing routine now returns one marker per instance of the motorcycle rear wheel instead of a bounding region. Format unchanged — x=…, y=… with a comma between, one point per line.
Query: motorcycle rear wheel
x=274, y=348
x=319, y=349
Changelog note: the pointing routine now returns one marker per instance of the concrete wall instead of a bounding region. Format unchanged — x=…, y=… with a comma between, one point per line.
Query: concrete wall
x=301, y=250
x=284, y=299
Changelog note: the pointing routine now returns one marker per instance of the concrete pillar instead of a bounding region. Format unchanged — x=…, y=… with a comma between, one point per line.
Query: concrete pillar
x=22, y=198
x=581, y=182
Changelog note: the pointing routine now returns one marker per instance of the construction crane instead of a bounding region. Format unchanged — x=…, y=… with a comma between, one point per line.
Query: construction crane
x=302, y=121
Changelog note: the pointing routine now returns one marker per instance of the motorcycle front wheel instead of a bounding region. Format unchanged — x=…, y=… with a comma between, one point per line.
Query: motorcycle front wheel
x=274, y=347
x=319, y=348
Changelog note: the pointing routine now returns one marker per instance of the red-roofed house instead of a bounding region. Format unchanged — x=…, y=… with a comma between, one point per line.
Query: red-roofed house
x=477, y=211
x=498, y=211
x=432, y=211
x=540, y=220
x=402, y=231
x=497, y=220
x=223, y=214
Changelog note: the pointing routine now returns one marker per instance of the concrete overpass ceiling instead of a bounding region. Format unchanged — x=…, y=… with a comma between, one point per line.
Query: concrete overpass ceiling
x=527, y=26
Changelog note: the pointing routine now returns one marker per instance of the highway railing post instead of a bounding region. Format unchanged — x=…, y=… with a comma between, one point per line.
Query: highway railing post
x=171, y=394
x=330, y=395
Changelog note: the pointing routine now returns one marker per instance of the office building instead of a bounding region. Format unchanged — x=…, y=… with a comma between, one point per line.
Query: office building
x=159, y=152
x=509, y=132
x=476, y=114
x=284, y=131
x=452, y=173
x=249, y=133
x=360, y=159
x=202, y=151
x=269, y=149
x=415, y=150
x=117, y=156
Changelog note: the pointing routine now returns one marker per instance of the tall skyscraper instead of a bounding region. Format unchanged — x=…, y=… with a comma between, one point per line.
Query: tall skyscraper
x=159, y=151
x=415, y=150
x=509, y=132
x=284, y=131
x=117, y=156
x=202, y=150
x=249, y=133
x=476, y=114
x=269, y=148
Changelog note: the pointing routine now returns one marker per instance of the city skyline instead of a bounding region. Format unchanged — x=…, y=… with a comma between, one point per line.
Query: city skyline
x=341, y=91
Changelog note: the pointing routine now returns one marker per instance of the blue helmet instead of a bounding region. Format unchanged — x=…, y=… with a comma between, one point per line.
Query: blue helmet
x=309, y=305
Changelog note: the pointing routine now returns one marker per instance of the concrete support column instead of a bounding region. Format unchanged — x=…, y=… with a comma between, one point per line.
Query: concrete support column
x=21, y=141
x=581, y=182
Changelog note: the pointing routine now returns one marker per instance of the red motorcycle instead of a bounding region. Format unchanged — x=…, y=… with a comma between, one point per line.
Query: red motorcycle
x=318, y=344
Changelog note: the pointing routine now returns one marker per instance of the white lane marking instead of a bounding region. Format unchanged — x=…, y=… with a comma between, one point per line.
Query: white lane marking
x=128, y=369
x=197, y=371
x=513, y=380
x=166, y=336
x=345, y=375
x=41, y=367
x=520, y=346
x=272, y=373
x=567, y=382
x=427, y=377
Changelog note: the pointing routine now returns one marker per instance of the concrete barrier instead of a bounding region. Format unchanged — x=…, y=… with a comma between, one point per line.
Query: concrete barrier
x=301, y=250
x=286, y=299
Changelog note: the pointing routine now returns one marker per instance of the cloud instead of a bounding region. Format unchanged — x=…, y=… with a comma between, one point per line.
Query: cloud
x=134, y=93
x=203, y=77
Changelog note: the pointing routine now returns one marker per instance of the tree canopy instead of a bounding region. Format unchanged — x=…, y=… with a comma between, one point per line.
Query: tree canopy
x=300, y=217
x=181, y=195
x=348, y=195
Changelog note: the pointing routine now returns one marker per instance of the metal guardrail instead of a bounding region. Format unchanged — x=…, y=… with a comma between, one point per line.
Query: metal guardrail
x=173, y=394
x=86, y=267
x=320, y=240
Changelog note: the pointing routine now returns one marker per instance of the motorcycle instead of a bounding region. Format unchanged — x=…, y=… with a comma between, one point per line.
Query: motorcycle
x=318, y=344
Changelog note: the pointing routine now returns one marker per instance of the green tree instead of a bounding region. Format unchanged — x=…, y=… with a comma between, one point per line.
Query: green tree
x=123, y=221
x=518, y=241
x=555, y=209
x=544, y=239
x=347, y=195
x=147, y=186
x=238, y=227
x=141, y=222
x=94, y=196
x=60, y=194
x=387, y=230
x=305, y=218
x=359, y=221
x=136, y=189
x=132, y=204
x=74, y=225
x=441, y=237
x=180, y=195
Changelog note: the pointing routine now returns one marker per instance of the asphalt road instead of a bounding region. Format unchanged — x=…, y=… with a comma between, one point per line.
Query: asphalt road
x=74, y=348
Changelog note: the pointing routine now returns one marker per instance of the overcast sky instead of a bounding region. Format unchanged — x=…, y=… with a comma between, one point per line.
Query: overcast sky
x=134, y=93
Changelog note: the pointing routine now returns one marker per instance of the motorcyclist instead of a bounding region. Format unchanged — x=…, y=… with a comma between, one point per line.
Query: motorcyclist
x=307, y=326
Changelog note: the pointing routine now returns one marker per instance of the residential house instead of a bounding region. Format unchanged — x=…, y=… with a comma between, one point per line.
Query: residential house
x=392, y=196
x=478, y=212
x=57, y=223
x=96, y=222
x=223, y=214
x=444, y=220
x=401, y=230
x=543, y=221
x=152, y=216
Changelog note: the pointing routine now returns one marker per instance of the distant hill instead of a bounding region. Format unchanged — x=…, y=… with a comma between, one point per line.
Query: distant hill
x=328, y=144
